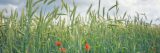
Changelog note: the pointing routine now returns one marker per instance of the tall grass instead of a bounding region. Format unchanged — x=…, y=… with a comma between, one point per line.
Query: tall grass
x=33, y=33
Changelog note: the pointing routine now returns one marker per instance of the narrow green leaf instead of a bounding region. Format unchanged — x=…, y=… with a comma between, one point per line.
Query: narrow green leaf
x=45, y=1
x=51, y=2
x=89, y=8
x=111, y=7
x=103, y=11
x=124, y=15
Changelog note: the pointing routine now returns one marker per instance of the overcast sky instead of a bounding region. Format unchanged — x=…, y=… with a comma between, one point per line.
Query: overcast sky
x=150, y=7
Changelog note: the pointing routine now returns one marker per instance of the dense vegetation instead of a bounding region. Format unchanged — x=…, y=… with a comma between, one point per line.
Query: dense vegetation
x=95, y=32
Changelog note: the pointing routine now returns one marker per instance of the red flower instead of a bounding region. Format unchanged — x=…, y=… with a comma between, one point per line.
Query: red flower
x=63, y=50
x=87, y=47
x=58, y=43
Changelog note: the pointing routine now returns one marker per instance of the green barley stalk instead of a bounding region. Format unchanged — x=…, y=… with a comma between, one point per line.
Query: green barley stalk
x=33, y=32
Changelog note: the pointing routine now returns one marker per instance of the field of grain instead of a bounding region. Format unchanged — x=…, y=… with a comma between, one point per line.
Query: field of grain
x=30, y=32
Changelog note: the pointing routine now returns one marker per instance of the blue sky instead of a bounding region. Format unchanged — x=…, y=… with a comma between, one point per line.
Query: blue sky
x=150, y=7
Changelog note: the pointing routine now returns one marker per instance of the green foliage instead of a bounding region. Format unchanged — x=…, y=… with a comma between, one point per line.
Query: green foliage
x=33, y=33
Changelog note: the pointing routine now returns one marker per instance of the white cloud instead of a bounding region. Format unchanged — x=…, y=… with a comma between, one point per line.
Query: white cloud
x=150, y=7
x=8, y=7
x=12, y=5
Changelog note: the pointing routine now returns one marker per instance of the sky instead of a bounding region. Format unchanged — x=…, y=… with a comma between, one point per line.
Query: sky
x=149, y=7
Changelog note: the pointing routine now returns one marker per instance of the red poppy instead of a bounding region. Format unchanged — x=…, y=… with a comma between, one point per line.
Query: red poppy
x=87, y=47
x=63, y=50
x=58, y=43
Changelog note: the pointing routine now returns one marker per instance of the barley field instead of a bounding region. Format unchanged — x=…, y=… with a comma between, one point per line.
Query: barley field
x=95, y=32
